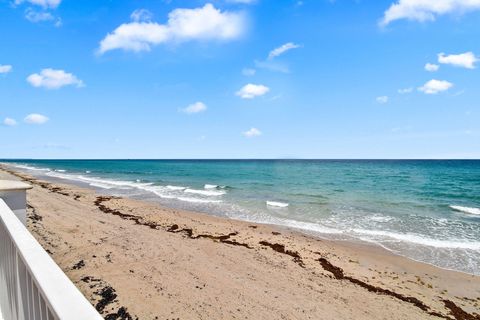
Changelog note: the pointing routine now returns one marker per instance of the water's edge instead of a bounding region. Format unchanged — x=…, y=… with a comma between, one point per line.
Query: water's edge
x=457, y=247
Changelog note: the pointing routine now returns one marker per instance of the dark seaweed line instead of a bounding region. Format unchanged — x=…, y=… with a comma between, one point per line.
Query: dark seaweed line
x=281, y=249
x=457, y=312
x=173, y=228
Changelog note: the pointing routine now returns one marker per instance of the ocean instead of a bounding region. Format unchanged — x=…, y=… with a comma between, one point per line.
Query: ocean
x=427, y=210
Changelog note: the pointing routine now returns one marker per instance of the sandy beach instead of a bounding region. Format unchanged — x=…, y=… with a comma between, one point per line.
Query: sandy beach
x=138, y=260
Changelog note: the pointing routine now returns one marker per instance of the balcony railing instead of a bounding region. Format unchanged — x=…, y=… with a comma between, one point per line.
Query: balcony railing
x=32, y=286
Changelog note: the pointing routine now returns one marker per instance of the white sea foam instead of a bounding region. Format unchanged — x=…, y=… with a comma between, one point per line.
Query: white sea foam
x=308, y=226
x=210, y=186
x=416, y=239
x=175, y=188
x=302, y=225
x=60, y=170
x=196, y=200
x=99, y=182
x=101, y=185
x=88, y=171
x=277, y=204
x=21, y=166
x=380, y=218
x=165, y=192
x=208, y=193
x=474, y=211
x=160, y=191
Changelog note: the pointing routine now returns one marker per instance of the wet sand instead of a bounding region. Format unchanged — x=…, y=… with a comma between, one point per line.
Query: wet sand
x=135, y=259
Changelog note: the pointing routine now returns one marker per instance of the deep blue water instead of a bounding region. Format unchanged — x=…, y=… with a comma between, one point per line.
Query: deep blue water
x=425, y=210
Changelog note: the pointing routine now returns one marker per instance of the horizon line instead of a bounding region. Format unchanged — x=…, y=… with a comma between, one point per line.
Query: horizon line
x=246, y=159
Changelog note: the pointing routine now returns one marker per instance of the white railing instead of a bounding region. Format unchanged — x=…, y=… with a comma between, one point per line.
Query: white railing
x=32, y=286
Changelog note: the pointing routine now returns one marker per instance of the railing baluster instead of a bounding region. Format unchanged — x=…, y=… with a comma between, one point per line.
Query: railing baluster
x=32, y=304
x=32, y=286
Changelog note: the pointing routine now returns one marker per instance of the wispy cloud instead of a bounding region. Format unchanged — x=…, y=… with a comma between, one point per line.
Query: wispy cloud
x=5, y=68
x=46, y=4
x=382, y=99
x=252, y=132
x=141, y=15
x=282, y=49
x=205, y=23
x=35, y=118
x=272, y=65
x=464, y=60
x=38, y=16
x=405, y=90
x=248, y=72
x=430, y=67
x=435, y=86
x=53, y=79
x=9, y=122
x=426, y=10
x=458, y=93
x=250, y=91
x=58, y=146
x=194, y=108
x=41, y=16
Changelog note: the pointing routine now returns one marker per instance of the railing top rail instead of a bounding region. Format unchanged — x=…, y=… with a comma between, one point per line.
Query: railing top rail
x=63, y=298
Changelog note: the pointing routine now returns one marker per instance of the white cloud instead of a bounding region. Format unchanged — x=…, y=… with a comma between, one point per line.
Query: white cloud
x=9, y=122
x=53, y=79
x=5, y=68
x=435, y=86
x=282, y=49
x=38, y=16
x=382, y=99
x=252, y=132
x=251, y=91
x=141, y=15
x=249, y=72
x=42, y=3
x=195, y=108
x=205, y=23
x=431, y=67
x=426, y=10
x=405, y=90
x=35, y=118
x=41, y=16
x=464, y=60
x=273, y=65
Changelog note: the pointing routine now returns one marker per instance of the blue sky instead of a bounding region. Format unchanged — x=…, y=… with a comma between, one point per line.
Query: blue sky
x=240, y=79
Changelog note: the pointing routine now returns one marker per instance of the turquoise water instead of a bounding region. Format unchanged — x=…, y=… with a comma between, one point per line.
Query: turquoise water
x=425, y=210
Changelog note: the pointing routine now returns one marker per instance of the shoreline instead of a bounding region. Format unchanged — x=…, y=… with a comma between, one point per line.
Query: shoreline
x=352, y=273
x=333, y=236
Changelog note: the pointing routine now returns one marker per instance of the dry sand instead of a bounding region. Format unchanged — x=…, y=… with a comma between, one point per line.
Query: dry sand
x=136, y=259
